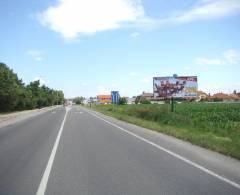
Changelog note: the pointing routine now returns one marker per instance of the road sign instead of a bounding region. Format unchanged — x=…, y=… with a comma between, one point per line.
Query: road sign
x=115, y=97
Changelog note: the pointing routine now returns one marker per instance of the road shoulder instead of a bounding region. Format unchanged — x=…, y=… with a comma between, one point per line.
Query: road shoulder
x=9, y=119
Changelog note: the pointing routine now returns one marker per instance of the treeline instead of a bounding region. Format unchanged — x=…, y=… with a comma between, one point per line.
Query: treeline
x=78, y=100
x=15, y=95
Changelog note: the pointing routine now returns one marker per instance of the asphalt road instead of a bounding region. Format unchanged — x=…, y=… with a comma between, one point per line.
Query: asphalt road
x=77, y=152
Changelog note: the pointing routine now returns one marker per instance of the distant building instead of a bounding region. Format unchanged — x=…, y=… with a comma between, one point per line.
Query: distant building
x=148, y=96
x=131, y=100
x=104, y=99
x=92, y=100
x=224, y=97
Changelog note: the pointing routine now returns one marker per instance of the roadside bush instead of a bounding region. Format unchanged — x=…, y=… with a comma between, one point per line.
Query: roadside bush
x=143, y=100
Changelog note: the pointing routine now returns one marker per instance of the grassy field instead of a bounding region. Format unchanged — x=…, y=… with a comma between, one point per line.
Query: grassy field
x=214, y=126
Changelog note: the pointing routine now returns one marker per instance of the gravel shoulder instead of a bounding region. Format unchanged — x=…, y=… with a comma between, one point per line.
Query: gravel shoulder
x=8, y=119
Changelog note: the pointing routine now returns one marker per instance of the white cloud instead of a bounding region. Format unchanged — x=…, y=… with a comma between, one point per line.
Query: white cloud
x=133, y=74
x=84, y=84
x=225, y=88
x=37, y=55
x=232, y=56
x=207, y=9
x=229, y=57
x=146, y=80
x=102, y=90
x=135, y=34
x=114, y=85
x=187, y=67
x=73, y=17
x=209, y=61
x=41, y=79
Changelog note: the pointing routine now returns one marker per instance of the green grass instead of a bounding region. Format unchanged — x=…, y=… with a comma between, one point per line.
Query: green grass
x=214, y=126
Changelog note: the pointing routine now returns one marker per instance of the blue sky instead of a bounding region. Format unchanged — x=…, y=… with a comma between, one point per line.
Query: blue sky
x=90, y=47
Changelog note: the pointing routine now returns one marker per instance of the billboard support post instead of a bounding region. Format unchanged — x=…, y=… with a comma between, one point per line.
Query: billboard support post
x=172, y=104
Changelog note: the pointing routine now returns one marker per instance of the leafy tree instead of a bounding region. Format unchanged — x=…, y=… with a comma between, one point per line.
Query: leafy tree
x=14, y=95
x=137, y=100
x=60, y=97
x=78, y=100
x=141, y=100
x=10, y=87
x=122, y=101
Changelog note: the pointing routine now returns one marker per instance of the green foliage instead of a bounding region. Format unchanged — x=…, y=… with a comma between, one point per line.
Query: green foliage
x=137, y=100
x=204, y=116
x=14, y=95
x=141, y=100
x=10, y=87
x=122, y=101
x=78, y=100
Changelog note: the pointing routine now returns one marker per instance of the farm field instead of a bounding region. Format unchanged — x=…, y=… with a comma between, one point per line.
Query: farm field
x=215, y=126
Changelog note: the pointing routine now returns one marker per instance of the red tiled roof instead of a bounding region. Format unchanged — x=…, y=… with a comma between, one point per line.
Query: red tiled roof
x=224, y=96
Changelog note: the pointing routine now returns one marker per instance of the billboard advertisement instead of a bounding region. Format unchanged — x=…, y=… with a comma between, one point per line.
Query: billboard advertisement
x=179, y=87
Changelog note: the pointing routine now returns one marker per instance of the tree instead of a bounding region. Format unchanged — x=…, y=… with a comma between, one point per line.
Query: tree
x=34, y=87
x=122, y=101
x=10, y=86
x=141, y=100
x=137, y=100
x=14, y=95
x=60, y=97
x=78, y=100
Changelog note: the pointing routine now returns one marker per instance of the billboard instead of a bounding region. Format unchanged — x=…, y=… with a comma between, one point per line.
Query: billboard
x=179, y=87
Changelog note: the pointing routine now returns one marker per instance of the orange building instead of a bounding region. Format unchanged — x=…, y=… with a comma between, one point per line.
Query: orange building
x=104, y=99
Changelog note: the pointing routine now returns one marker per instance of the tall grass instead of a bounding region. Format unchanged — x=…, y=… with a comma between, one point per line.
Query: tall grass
x=206, y=117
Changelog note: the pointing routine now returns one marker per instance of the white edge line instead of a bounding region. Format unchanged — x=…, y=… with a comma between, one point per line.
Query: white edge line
x=43, y=184
x=232, y=183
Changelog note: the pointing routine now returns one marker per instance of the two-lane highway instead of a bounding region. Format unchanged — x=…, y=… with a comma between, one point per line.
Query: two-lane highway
x=94, y=156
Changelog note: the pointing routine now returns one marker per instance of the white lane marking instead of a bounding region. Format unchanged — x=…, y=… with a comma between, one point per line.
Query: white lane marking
x=53, y=112
x=232, y=183
x=43, y=184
